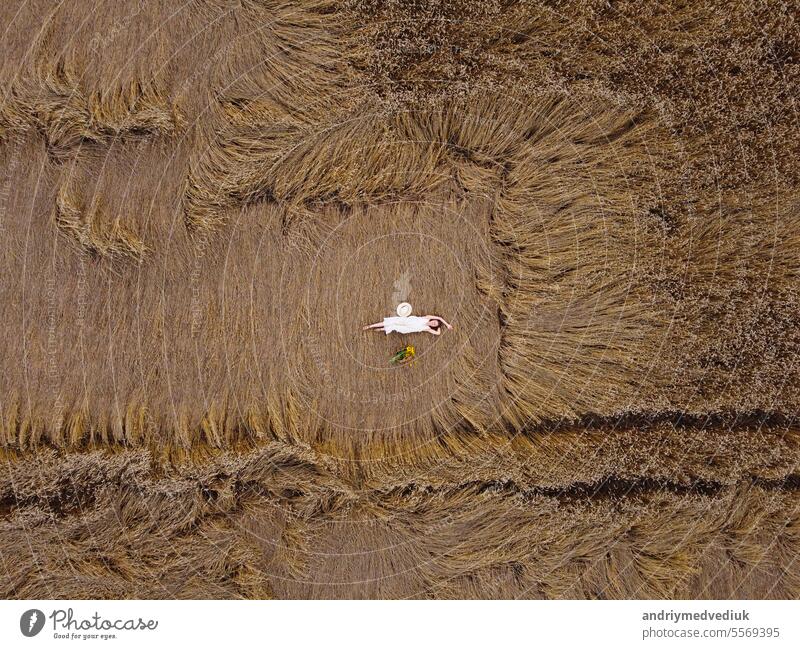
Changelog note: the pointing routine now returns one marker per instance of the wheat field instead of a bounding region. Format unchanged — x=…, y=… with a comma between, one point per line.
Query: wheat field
x=203, y=202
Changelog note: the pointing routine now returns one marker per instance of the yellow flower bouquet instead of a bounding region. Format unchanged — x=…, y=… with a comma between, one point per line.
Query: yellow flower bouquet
x=404, y=355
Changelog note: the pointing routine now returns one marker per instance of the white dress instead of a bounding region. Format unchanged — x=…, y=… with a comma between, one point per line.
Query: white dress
x=405, y=325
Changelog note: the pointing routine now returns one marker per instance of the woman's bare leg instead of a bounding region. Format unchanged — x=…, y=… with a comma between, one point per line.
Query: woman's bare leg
x=377, y=325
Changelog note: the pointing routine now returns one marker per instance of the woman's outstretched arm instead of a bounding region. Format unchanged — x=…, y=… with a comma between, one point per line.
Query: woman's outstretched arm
x=441, y=319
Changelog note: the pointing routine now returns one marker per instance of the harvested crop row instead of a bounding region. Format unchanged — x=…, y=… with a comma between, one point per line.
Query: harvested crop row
x=272, y=525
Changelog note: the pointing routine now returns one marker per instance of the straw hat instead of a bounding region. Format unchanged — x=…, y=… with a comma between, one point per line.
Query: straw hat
x=404, y=309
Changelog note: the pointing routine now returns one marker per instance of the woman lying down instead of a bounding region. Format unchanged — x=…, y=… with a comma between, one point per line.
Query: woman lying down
x=409, y=324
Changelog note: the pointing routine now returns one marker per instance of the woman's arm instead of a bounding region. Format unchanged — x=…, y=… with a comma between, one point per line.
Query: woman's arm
x=435, y=332
x=443, y=321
